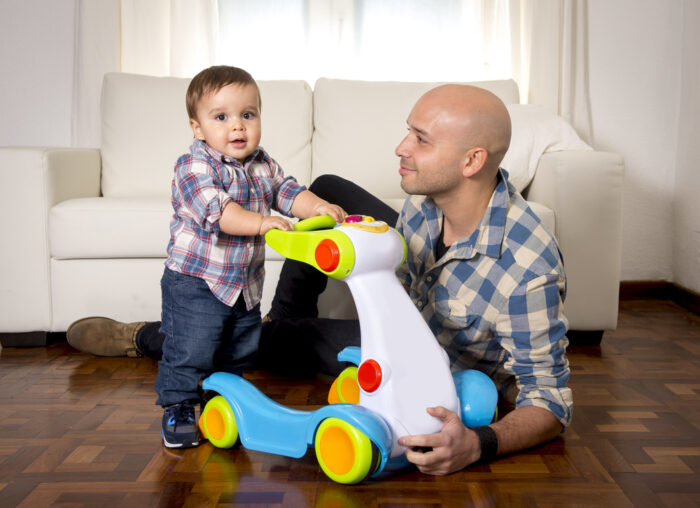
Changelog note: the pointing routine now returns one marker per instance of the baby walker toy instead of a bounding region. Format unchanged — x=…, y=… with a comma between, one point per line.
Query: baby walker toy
x=400, y=369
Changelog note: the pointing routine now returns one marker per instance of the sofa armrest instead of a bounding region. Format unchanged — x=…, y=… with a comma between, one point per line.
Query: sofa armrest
x=38, y=178
x=584, y=188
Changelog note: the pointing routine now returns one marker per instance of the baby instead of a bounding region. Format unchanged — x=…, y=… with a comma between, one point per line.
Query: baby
x=222, y=194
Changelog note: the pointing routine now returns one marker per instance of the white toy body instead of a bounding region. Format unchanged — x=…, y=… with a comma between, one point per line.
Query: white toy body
x=415, y=369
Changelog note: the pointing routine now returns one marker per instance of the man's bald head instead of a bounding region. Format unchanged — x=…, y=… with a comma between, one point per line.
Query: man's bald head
x=474, y=117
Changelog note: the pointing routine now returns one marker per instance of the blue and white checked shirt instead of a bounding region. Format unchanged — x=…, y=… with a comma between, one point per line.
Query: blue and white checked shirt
x=205, y=182
x=494, y=300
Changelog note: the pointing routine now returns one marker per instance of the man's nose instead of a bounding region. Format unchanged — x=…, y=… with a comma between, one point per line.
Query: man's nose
x=401, y=149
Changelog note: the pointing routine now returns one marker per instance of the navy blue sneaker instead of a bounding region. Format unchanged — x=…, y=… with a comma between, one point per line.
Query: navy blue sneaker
x=180, y=426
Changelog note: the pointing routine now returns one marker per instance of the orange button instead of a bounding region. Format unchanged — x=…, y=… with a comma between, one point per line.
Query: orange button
x=369, y=375
x=327, y=255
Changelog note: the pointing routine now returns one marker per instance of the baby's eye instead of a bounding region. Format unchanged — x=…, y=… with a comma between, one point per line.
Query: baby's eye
x=221, y=117
x=248, y=116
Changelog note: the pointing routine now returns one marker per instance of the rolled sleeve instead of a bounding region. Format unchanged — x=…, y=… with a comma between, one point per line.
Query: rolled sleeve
x=286, y=193
x=285, y=188
x=532, y=330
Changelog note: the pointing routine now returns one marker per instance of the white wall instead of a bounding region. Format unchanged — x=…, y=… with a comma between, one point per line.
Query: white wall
x=686, y=230
x=36, y=58
x=643, y=67
x=635, y=62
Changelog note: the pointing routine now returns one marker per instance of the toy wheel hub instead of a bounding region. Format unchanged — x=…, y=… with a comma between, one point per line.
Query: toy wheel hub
x=337, y=450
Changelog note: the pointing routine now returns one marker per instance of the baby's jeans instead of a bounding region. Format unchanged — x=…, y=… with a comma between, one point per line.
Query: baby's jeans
x=202, y=336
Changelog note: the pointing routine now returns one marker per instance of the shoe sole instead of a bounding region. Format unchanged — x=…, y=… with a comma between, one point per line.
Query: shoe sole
x=178, y=445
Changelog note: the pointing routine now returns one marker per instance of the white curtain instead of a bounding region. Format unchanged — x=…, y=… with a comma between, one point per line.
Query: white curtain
x=549, y=58
x=168, y=37
x=540, y=43
x=96, y=53
x=156, y=37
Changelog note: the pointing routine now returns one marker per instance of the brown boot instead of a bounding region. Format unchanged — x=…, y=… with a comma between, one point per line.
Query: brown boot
x=104, y=337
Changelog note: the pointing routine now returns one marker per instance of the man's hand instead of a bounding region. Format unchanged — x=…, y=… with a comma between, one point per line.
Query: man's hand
x=270, y=222
x=453, y=448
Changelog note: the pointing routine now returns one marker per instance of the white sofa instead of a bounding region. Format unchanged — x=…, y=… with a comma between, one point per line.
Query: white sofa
x=85, y=230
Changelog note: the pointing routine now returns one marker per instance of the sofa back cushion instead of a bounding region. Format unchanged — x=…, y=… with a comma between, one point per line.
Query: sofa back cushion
x=145, y=129
x=358, y=124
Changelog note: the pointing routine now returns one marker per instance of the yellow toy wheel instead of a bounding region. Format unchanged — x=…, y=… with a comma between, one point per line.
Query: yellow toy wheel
x=218, y=423
x=344, y=453
x=345, y=388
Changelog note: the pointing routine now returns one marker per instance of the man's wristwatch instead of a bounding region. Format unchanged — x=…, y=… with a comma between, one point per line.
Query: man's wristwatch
x=488, y=442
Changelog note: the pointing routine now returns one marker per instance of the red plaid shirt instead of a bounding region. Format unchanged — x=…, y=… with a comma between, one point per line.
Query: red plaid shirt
x=205, y=182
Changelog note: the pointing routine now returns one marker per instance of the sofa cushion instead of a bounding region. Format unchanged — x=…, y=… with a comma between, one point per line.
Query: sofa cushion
x=110, y=228
x=136, y=161
x=94, y=228
x=358, y=124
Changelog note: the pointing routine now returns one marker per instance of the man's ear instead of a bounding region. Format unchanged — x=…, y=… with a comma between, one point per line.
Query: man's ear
x=196, y=129
x=474, y=161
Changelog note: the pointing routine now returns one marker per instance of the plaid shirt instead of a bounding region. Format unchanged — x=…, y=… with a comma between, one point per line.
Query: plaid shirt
x=494, y=300
x=205, y=182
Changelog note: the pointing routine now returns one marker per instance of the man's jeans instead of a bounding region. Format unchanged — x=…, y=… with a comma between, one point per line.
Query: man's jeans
x=202, y=336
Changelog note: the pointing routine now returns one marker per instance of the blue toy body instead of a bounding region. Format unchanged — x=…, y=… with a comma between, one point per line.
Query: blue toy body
x=266, y=426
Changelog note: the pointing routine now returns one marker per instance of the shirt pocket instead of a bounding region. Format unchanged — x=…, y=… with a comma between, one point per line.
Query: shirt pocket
x=453, y=314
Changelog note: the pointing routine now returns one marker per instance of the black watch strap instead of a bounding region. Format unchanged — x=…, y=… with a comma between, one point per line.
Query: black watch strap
x=488, y=441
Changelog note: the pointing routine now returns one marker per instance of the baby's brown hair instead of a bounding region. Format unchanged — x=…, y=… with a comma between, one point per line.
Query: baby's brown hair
x=213, y=79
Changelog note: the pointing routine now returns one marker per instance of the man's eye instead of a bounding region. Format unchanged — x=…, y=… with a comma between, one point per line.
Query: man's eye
x=420, y=139
x=221, y=117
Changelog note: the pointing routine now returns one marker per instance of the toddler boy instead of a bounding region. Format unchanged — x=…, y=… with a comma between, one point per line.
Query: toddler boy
x=222, y=194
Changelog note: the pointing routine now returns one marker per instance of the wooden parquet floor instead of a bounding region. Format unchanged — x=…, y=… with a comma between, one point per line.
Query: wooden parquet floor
x=77, y=430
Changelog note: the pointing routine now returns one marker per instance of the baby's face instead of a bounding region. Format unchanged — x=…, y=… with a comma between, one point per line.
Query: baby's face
x=229, y=120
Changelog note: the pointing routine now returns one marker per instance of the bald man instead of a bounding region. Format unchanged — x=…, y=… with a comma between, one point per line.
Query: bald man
x=481, y=268
x=484, y=272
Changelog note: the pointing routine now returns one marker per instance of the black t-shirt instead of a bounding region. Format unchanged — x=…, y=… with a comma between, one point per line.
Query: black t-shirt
x=440, y=247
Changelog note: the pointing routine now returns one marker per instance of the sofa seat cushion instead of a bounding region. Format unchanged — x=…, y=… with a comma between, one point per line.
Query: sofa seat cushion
x=93, y=228
x=110, y=228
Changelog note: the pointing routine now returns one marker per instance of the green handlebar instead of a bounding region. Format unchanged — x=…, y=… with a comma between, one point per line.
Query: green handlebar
x=328, y=250
x=314, y=223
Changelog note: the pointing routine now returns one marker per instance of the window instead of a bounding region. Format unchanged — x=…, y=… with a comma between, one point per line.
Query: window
x=402, y=40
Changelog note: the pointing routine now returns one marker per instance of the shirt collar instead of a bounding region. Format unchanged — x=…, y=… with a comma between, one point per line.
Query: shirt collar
x=199, y=145
x=487, y=239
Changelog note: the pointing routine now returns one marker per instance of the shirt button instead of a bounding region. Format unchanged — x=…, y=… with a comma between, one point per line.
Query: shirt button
x=429, y=278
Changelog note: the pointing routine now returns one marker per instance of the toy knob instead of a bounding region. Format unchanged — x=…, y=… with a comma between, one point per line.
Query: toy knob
x=327, y=255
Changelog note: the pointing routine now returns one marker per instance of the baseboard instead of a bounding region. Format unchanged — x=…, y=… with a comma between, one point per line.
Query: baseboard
x=24, y=339
x=585, y=337
x=686, y=298
x=641, y=289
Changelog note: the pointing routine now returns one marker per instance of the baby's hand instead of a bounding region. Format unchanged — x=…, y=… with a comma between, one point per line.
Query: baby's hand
x=270, y=222
x=326, y=208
